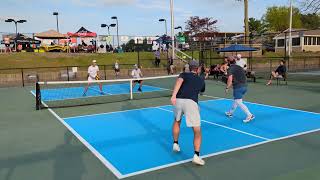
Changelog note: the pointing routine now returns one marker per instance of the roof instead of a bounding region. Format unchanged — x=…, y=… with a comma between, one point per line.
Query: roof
x=51, y=34
x=299, y=32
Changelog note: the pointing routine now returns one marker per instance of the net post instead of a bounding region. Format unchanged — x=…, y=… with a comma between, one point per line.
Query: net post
x=105, y=72
x=131, y=90
x=68, y=73
x=22, y=77
x=38, y=97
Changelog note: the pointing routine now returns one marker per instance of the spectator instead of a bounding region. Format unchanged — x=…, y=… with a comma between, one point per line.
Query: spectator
x=186, y=67
x=157, y=58
x=241, y=62
x=279, y=72
x=170, y=67
x=117, y=69
x=224, y=68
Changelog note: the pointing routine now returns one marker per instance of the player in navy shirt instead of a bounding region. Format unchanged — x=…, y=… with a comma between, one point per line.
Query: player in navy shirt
x=185, y=100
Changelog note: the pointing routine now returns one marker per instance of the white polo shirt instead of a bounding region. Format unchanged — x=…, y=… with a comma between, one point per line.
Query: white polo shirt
x=93, y=71
x=241, y=63
x=136, y=73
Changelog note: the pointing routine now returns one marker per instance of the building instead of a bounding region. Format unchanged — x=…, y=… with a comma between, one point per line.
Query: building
x=302, y=40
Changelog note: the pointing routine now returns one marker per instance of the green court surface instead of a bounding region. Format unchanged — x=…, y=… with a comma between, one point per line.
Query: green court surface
x=34, y=145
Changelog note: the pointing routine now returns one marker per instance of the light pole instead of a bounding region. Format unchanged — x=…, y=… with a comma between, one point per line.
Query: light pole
x=179, y=27
x=116, y=18
x=108, y=26
x=57, y=14
x=290, y=29
x=165, y=25
x=172, y=28
x=16, y=25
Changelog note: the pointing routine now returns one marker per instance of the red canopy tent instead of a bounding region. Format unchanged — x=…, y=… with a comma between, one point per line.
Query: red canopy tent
x=82, y=32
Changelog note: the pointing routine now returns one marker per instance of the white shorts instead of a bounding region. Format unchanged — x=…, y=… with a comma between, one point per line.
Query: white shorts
x=90, y=79
x=190, y=109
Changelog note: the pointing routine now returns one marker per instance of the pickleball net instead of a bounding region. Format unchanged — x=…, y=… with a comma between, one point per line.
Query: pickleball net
x=56, y=94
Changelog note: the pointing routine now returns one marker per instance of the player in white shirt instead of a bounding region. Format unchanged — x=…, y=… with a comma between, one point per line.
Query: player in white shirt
x=137, y=74
x=117, y=69
x=93, y=75
x=240, y=62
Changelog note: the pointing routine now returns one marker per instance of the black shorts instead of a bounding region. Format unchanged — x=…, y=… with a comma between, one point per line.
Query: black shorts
x=7, y=45
x=116, y=70
x=137, y=81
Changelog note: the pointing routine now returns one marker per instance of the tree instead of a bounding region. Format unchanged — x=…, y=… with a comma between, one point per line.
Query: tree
x=196, y=25
x=310, y=21
x=277, y=18
x=129, y=46
x=256, y=26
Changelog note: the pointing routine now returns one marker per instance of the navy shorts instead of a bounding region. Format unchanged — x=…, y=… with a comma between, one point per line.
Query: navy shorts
x=238, y=93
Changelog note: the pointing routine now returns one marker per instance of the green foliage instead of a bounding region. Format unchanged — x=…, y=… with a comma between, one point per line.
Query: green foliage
x=277, y=18
x=129, y=46
x=257, y=26
x=310, y=21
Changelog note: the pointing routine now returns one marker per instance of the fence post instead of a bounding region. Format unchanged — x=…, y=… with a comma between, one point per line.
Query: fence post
x=289, y=63
x=68, y=73
x=22, y=77
x=138, y=58
x=270, y=65
x=105, y=72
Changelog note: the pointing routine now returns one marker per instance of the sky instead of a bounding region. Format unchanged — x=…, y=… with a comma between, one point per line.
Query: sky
x=136, y=17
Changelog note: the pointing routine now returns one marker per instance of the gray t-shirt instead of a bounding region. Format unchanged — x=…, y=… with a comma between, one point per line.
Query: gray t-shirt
x=239, y=76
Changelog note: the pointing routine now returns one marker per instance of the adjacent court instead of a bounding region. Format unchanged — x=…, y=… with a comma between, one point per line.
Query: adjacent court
x=56, y=94
x=137, y=141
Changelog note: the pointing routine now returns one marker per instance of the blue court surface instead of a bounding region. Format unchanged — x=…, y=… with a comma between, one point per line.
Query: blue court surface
x=137, y=141
x=57, y=94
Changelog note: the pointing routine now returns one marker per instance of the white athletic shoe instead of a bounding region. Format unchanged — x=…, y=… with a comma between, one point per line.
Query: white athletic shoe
x=248, y=119
x=176, y=147
x=197, y=160
x=229, y=114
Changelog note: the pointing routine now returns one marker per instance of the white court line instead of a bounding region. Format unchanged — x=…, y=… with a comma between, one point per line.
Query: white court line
x=298, y=110
x=120, y=176
x=104, y=161
x=98, y=114
x=219, y=153
x=233, y=129
x=89, y=115
x=226, y=127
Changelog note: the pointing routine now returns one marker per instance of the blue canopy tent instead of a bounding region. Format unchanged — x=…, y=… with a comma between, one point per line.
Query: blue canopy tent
x=237, y=48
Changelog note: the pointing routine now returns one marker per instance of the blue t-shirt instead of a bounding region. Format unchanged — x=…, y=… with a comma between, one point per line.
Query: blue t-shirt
x=191, y=87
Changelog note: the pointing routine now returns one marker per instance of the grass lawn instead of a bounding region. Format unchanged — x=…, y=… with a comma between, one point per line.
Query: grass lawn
x=31, y=60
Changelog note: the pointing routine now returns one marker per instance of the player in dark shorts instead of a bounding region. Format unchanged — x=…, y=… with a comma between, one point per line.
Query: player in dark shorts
x=237, y=79
x=137, y=74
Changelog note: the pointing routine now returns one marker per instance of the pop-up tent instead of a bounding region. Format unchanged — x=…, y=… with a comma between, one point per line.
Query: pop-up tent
x=82, y=32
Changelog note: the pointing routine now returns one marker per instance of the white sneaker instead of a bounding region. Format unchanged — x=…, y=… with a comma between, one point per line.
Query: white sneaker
x=229, y=114
x=248, y=119
x=197, y=160
x=176, y=147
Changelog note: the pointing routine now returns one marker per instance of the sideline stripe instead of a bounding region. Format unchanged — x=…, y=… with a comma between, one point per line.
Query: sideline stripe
x=226, y=127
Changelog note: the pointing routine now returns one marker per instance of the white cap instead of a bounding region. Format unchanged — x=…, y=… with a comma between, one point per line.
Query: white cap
x=94, y=61
x=135, y=65
x=239, y=56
